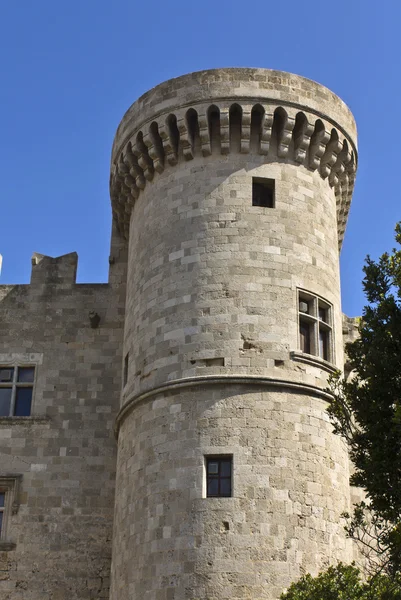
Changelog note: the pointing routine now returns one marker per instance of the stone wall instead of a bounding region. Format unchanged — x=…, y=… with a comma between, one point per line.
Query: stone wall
x=201, y=359
x=290, y=486
x=58, y=542
x=211, y=341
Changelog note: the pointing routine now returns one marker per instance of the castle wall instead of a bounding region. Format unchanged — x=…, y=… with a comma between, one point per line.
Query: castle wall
x=200, y=358
x=212, y=277
x=58, y=543
x=211, y=341
x=290, y=486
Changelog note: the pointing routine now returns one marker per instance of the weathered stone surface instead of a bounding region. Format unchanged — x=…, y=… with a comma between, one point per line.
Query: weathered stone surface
x=66, y=450
x=211, y=338
x=198, y=326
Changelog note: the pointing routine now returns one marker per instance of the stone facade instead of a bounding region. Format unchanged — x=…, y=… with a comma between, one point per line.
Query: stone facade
x=57, y=545
x=197, y=353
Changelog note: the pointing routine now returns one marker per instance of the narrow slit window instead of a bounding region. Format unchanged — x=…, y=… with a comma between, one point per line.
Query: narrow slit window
x=125, y=374
x=2, y=507
x=263, y=192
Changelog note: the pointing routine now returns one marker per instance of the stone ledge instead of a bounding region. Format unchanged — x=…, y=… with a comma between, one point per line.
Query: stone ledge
x=24, y=421
x=314, y=361
x=178, y=384
x=7, y=546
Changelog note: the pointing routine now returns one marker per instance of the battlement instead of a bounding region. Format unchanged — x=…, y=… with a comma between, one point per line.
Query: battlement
x=281, y=117
x=60, y=269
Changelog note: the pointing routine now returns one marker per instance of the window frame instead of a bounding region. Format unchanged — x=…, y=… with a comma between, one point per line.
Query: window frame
x=10, y=487
x=15, y=385
x=219, y=458
x=317, y=325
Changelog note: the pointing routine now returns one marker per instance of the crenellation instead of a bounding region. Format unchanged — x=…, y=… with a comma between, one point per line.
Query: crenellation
x=60, y=270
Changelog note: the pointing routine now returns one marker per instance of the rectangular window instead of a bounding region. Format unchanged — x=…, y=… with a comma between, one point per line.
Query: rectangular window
x=219, y=476
x=315, y=329
x=16, y=391
x=263, y=192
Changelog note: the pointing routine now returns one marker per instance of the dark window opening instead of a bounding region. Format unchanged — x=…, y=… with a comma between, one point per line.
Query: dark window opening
x=2, y=506
x=323, y=344
x=305, y=337
x=125, y=373
x=23, y=402
x=16, y=391
x=219, y=477
x=263, y=192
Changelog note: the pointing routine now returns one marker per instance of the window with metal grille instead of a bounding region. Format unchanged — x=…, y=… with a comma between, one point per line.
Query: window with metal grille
x=16, y=390
x=219, y=476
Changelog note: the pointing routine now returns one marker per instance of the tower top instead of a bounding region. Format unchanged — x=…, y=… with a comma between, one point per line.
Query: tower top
x=282, y=117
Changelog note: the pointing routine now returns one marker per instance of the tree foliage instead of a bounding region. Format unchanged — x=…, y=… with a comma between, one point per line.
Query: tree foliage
x=343, y=582
x=366, y=411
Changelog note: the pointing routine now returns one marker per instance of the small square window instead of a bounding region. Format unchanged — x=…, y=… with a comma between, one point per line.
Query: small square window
x=16, y=391
x=219, y=476
x=263, y=192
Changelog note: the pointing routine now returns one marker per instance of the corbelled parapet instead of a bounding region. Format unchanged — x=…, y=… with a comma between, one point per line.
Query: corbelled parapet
x=280, y=116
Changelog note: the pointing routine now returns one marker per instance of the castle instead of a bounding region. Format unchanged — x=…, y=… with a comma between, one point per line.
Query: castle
x=170, y=426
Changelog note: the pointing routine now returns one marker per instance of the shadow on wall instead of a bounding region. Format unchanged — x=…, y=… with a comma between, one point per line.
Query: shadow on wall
x=279, y=135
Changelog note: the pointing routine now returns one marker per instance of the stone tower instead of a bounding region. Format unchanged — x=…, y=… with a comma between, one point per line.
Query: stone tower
x=233, y=188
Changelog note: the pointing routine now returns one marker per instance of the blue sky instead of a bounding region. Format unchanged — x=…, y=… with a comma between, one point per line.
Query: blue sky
x=69, y=70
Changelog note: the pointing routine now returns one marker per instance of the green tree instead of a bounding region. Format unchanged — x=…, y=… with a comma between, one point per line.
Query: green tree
x=366, y=411
x=343, y=582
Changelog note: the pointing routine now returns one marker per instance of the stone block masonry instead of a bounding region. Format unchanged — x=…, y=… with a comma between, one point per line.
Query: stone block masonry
x=208, y=349
x=57, y=545
x=216, y=366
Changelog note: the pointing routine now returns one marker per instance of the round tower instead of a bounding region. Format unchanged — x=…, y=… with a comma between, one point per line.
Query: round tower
x=232, y=187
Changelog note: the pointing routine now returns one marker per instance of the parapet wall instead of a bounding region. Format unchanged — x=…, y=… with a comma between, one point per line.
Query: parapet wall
x=278, y=115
